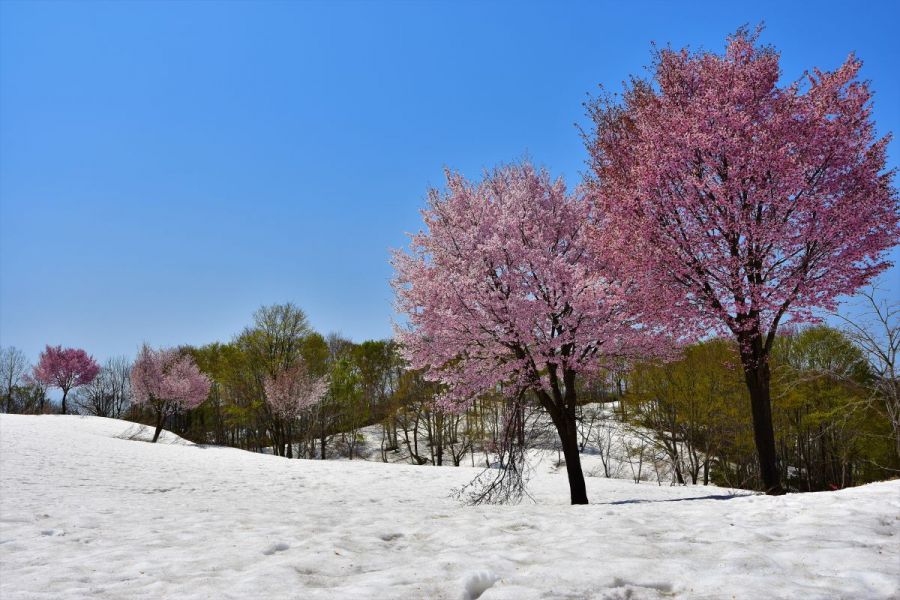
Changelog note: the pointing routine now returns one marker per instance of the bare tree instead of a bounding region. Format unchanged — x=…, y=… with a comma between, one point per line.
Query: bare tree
x=604, y=447
x=507, y=482
x=109, y=394
x=13, y=367
x=877, y=334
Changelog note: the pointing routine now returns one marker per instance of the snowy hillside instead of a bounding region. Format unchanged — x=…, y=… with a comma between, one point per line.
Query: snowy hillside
x=610, y=447
x=87, y=512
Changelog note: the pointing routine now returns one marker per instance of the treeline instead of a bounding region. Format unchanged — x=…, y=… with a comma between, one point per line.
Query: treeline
x=831, y=407
x=103, y=391
x=367, y=386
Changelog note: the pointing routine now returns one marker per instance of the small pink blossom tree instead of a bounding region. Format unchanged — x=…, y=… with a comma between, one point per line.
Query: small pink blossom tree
x=167, y=381
x=504, y=289
x=745, y=204
x=65, y=368
x=293, y=390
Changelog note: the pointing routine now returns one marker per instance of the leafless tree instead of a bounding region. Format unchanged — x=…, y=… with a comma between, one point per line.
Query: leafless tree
x=604, y=444
x=109, y=394
x=13, y=367
x=877, y=333
x=505, y=482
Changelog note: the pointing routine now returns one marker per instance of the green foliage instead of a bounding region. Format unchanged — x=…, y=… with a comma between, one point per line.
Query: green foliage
x=697, y=407
x=695, y=410
x=827, y=433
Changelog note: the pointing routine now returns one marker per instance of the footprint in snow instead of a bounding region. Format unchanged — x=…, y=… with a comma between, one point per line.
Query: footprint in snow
x=52, y=532
x=478, y=583
x=279, y=547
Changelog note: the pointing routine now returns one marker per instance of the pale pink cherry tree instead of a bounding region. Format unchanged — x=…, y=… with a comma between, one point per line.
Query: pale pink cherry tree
x=503, y=289
x=290, y=392
x=167, y=381
x=745, y=204
x=65, y=368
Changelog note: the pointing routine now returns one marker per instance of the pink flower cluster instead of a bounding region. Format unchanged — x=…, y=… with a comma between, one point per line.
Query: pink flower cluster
x=168, y=380
x=65, y=368
x=506, y=286
x=293, y=390
x=741, y=202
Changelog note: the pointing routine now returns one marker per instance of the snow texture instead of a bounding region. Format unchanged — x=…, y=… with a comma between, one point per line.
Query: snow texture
x=87, y=509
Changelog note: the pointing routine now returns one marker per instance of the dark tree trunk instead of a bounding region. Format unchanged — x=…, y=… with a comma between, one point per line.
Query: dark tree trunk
x=569, y=439
x=290, y=441
x=439, y=428
x=65, y=393
x=562, y=412
x=159, y=424
x=322, y=432
x=758, y=376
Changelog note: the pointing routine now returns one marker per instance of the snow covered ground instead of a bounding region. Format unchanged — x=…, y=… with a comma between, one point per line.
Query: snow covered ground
x=611, y=448
x=86, y=512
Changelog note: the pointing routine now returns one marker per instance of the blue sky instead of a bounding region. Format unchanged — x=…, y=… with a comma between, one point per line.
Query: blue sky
x=167, y=168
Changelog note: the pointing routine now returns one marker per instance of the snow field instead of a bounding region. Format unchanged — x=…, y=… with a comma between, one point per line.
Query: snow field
x=87, y=513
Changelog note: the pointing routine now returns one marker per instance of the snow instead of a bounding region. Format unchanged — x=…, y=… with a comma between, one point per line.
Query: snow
x=626, y=449
x=85, y=511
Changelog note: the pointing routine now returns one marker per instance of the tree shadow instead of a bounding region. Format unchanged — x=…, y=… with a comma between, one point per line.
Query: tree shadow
x=708, y=497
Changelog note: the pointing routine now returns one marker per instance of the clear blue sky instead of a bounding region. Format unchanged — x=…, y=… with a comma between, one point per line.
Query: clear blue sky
x=167, y=168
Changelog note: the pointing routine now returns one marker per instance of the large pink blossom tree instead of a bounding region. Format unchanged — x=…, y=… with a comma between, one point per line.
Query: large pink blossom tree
x=504, y=289
x=65, y=368
x=743, y=202
x=167, y=381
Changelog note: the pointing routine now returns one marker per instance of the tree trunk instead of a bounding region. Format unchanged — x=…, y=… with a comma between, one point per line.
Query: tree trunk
x=322, y=432
x=562, y=413
x=65, y=393
x=159, y=424
x=569, y=438
x=758, y=376
x=439, y=428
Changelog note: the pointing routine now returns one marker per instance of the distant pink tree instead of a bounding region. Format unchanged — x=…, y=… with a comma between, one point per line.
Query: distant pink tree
x=293, y=390
x=743, y=203
x=65, y=368
x=167, y=381
x=504, y=289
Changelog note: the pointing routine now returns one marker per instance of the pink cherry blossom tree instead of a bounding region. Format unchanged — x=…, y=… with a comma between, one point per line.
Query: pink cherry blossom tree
x=293, y=390
x=288, y=393
x=503, y=289
x=167, y=381
x=743, y=202
x=65, y=368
